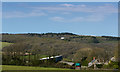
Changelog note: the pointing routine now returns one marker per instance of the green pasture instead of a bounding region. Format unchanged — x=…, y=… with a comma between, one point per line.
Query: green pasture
x=4, y=44
x=10, y=67
x=33, y=56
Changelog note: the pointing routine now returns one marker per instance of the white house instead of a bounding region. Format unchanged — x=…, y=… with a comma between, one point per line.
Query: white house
x=62, y=38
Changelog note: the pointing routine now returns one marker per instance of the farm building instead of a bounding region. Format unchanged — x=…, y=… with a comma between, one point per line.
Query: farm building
x=57, y=58
x=62, y=38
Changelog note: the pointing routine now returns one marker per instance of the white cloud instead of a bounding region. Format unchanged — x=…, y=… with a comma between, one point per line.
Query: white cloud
x=95, y=18
x=107, y=8
x=77, y=19
x=17, y=14
x=59, y=19
x=70, y=9
x=83, y=5
x=66, y=13
x=89, y=18
x=96, y=13
x=67, y=5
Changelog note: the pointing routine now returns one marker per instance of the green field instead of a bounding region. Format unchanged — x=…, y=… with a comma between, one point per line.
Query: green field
x=4, y=44
x=32, y=56
x=33, y=69
x=12, y=67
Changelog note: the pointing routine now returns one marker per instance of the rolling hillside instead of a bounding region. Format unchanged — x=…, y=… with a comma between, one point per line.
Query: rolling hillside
x=72, y=47
x=5, y=44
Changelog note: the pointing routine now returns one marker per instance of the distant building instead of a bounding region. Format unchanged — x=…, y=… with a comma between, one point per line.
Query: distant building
x=113, y=59
x=28, y=53
x=57, y=58
x=62, y=38
x=94, y=62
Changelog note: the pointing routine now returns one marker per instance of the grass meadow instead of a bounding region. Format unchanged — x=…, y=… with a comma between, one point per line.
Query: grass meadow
x=12, y=68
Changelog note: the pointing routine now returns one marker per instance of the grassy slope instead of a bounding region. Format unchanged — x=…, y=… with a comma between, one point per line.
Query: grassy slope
x=4, y=44
x=10, y=67
x=32, y=69
x=32, y=56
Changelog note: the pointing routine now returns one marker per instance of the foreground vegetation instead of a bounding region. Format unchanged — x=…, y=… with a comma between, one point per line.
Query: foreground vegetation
x=5, y=44
x=12, y=67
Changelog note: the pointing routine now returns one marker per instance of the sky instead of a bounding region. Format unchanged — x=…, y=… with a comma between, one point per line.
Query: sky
x=82, y=18
x=60, y=0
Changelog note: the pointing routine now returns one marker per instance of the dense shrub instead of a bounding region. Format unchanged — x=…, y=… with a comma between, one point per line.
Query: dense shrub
x=63, y=65
x=99, y=65
x=106, y=66
x=112, y=65
x=35, y=62
x=115, y=66
x=85, y=63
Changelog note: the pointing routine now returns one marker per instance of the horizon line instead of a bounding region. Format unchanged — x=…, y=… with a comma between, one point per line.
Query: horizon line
x=56, y=32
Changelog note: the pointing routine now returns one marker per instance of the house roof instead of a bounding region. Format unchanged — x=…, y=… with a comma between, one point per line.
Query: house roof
x=50, y=57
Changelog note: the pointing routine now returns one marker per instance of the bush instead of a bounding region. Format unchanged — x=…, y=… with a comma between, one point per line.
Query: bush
x=106, y=66
x=115, y=63
x=112, y=65
x=63, y=65
x=85, y=63
x=35, y=63
x=99, y=65
x=115, y=66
